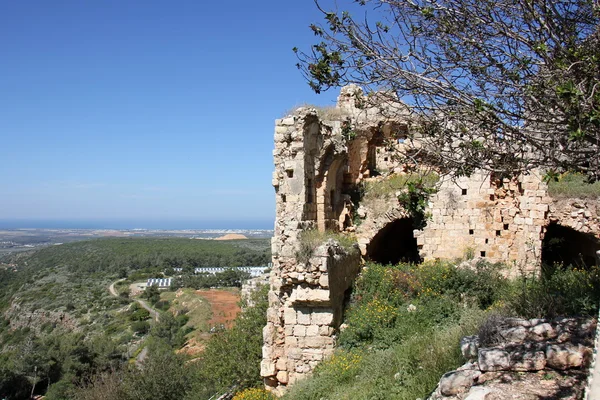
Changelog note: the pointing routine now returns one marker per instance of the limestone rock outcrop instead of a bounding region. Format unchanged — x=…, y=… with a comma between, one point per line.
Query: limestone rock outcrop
x=544, y=355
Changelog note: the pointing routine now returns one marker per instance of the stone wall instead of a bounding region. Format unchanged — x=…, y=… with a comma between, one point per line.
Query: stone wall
x=306, y=296
x=305, y=309
x=321, y=157
x=500, y=220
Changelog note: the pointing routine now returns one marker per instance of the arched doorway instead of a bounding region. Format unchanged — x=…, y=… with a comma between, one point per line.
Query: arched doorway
x=394, y=243
x=566, y=246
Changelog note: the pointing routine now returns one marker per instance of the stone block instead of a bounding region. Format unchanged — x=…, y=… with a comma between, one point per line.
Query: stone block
x=565, y=356
x=515, y=335
x=289, y=121
x=269, y=334
x=289, y=316
x=267, y=352
x=312, y=330
x=267, y=368
x=469, y=347
x=291, y=341
x=299, y=330
x=308, y=295
x=527, y=360
x=325, y=330
x=273, y=316
x=322, y=317
x=282, y=377
x=542, y=331
x=456, y=382
x=312, y=354
x=281, y=364
x=324, y=281
x=289, y=330
x=478, y=393
x=294, y=354
x=303, y=317
x=318, y=342
x=493, y=360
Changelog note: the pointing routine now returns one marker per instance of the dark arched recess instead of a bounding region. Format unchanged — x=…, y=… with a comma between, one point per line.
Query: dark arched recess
x=566, y=246
x=394, y=243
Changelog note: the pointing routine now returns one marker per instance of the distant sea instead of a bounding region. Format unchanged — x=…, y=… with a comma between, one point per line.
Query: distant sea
x=135, y=224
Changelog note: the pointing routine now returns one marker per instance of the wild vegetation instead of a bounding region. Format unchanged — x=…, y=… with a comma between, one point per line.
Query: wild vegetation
x=404, y=323
x=572, y=185
x=313, y=238
x=412, y=191
x=229, y=363
x=60, y=328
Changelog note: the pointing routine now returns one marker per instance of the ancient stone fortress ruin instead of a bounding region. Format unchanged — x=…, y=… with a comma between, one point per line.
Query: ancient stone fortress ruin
x=321, y=159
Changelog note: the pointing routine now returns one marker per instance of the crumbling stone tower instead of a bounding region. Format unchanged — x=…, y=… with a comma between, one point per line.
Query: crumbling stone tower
x=321, y=156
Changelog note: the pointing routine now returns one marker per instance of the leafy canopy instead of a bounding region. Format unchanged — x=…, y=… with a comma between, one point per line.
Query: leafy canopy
x=501, y=85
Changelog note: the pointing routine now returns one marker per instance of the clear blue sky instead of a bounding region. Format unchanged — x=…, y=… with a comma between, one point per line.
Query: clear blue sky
x=146, y=110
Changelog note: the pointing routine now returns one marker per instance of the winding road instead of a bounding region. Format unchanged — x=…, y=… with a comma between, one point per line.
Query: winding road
x=141, y=302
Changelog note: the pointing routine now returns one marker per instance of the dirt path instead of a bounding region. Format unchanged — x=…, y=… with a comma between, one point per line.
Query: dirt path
x=112, y=289
x=141, y=302
x=139, y=360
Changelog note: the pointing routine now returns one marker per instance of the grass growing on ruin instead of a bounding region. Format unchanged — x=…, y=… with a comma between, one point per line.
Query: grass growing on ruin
x=572, y=185
x=411, y=190
x=394, y=183
x=405, y=322
x=325, y=113
x=311, y=239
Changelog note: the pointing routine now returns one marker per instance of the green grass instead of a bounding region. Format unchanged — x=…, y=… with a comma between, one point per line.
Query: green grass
x=311, y=239
x=407, y=370
x=572, y=185
x=390, y=185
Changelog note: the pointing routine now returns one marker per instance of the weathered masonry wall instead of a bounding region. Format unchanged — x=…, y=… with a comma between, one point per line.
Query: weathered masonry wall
x=500, y=220
x=321, y=156
x=306, y=295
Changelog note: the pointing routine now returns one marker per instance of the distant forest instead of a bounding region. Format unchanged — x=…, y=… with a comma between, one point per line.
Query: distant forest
x=113, y=254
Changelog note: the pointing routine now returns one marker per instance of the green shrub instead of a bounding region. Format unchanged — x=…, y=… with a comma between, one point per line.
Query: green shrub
x=341, y=367
x=567, y=291
x=59, y=390
x=482, y=285
x=408, y=370
x=140, y=327
x=138, y=313
x=162, y=305
x=392, y=303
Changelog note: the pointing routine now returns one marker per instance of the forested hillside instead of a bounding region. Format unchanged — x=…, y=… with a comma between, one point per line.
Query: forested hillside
x=59, y=325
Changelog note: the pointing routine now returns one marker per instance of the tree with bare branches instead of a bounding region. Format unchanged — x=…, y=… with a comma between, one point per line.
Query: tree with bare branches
x=500, y=85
